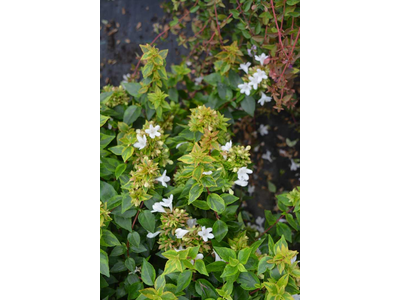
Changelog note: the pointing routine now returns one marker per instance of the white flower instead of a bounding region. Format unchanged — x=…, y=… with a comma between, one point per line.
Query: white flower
x=179, y=249
x=261, y=75
x=267, y=156
x=191, y=222
x=296, y=297
x=153, y=131
x=258, y=251
x=163, y=178
x=198, y=256
x=261, y=58
x=205, y=233
x=168, y=202
x=198, y=80
x=217, y=258
x=126, y=77
x=293, y=259
x=293, y=166
x=245, y=88
x=245, y=67
x=257, y=147
x=180, y=233
x=263, y=129
x=251, y=189
x=141, y=143
x=254, y=81
x=207, y=173
x=137, y=270
x=264, y=99
x=241, y=182
x=180, y=144
x=260, y=221
x=282, y=220
x=242, y=173
x=227, y=146
x=188, y=63
x=249, y=52
x=157, y=207
x=151, y=235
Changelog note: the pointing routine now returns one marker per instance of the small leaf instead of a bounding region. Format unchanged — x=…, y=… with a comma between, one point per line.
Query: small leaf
x=195, y=192
x=126, y=203
x=119, y=170
x=134, y=239
x=130, y=264
x=220, y=229
x=183, y=280
x=148, y=273
x=104, y=269
x=249, y=105
x=200, y=267
x=147, y=220
x=216, y=203
x=131, y=114
x=244, y=255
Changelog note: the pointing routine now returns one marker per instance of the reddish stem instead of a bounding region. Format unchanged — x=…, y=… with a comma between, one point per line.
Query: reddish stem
x=216, y=20
x=133, y=224
x=269, y=228
x=277, y=27
x=290, y=56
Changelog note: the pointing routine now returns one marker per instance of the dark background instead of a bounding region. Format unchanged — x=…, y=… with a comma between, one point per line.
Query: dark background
x=120, y=36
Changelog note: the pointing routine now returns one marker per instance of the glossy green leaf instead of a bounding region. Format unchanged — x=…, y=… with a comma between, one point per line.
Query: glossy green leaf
x=220, y=229
x=216, y=203
x=148, y=272
x=147, y=220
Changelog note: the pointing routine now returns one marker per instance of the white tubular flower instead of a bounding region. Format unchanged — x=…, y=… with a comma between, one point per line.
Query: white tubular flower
x=180, y=144
x=198, y=256
x=245, y=67
x=205, y=233
x=243, y=173
x=261, y=75
x=217, y=258
x=141, y=143
x=180, y=233
x=227, y=146
x=263, y=129
x=151, y=235
x=267, y=156
x=207, y=173
x=153, y=131
x=254, y=81
x=157, y=207
x=126, y=78
x=261, y=58
x=293, y=166
x=179, y=249
x=293, y=259
x=251, y=189
x=245, y=88
x=191, y=222
x=137, y=270
x=264, y=99
x=241, y=182
x=167, y=202
x=260, y=221
x=163, y=178
x=198, y=80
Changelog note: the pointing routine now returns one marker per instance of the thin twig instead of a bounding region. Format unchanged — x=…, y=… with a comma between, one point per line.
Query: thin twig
x=268, y=229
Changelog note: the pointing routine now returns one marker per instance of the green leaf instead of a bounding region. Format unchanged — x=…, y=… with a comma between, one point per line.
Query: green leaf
x=131, y=114
x=229, y=271
x=183, y=280
x=292, y=222
x=133, y=290
x=119, y=170
x=201, y=204
x=127, y=152
x=249, y=105
x=220, y=229
x=117, y=150
x=244, y=255
x=147, y=220
x=130, y=264
x=103, y=120
x=104, y=269
x=105, y=139
x=160, y=282
x=148, y=272
x=195, y=192
x=106, y=191
x=109, y=238
x=200, y=267
x=212, y=79
x=248, y=280
x=271, y=187
x=134, y=239
x=225, y=253
x=216, y=203
x=283, y=229
x=126, y=203
x=228, y=198
x=132, y=88
x=173, y=94
x=216, y=266
x=263, y=265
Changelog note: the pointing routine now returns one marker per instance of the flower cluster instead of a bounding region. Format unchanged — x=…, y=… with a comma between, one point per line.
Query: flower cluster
x=104, y=214
x=254, y=77
x=118, y=96
x=237, y=157
x=204, y=118
x=177, y=230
